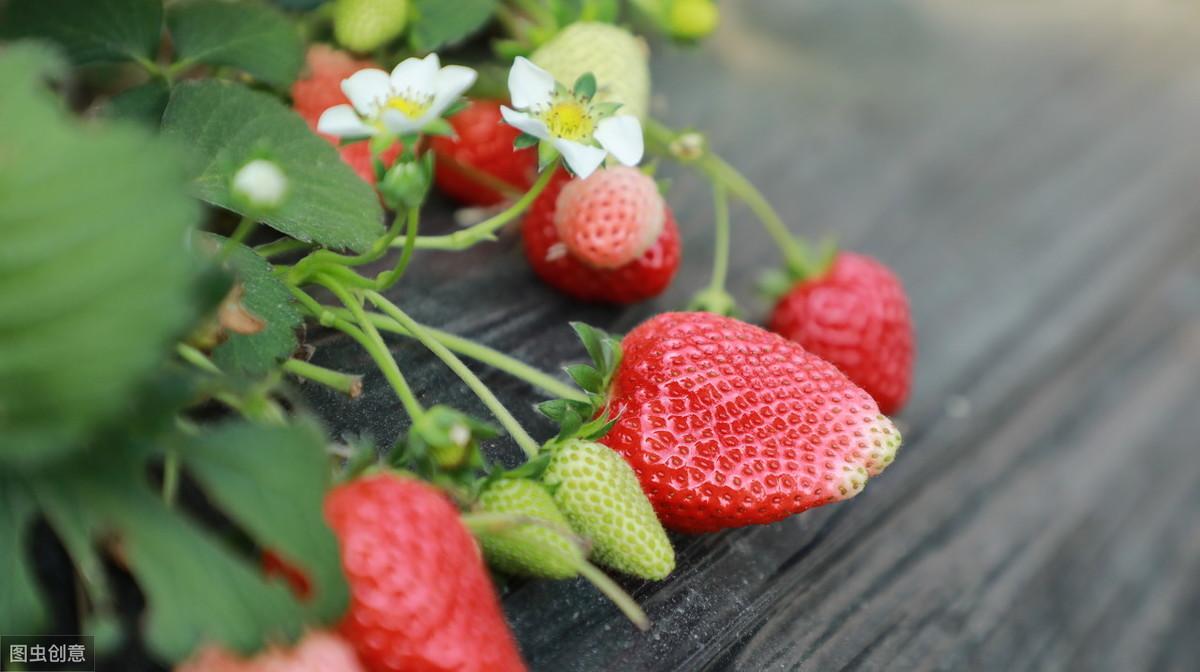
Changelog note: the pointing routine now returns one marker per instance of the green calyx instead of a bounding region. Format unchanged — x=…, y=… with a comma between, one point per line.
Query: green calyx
x=775, y=283
x=405, y=185
x=600, y=496
x=586, y=419
x=443, y=447
x=717, y=301
x=543, y=547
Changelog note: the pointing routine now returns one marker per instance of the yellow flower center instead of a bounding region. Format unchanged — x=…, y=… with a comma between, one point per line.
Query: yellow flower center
x=569, y=120
x=412, y=109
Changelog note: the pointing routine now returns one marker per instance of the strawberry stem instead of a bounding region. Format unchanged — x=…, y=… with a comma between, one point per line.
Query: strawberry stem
x=479, y=352
x=281, y=246
x=615, y=594
x=368, y=337
x=498, y=523
x=485, y=394
x=486, y=230
x=239, y=235
x=347, y=384
x=796, y=253
x=720, y=239
x=715, y=298
x=388, y=278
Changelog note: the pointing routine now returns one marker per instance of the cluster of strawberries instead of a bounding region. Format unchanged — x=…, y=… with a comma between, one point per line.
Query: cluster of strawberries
x=720, y=423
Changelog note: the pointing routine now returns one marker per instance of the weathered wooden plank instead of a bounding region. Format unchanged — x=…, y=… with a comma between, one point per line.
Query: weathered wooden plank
x=1032, y=183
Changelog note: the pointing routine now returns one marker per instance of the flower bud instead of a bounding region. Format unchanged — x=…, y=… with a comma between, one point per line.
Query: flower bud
x=260, y=185
x=406, y=184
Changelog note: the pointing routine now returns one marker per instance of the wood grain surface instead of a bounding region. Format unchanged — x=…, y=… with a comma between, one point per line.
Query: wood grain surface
x=1031, y=171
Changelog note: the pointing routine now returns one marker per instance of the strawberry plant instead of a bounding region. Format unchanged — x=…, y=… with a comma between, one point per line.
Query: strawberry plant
x=191, y=187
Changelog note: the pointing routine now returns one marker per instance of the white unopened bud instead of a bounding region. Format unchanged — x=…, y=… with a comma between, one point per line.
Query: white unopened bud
x=460, y=435
x=260, y=184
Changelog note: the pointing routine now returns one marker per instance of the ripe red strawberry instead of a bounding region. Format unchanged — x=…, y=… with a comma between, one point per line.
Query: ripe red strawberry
x=421, y=600
x=611, y=218
x=482, y=151
x=321, y=89
x=645, y=277
x=317, y=652
x=856, y=316
x=727, y=424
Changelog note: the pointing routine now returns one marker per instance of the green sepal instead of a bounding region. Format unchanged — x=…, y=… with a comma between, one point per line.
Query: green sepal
x=585, y=86
x=774, y=283
x=532, y=469
x=456, y=107
x=603, y=348
x=443, y=447
x=525, y=140
x=587, y=377
x=547, y=154
x=440, y=127
x=826, y=252
x=606, y=109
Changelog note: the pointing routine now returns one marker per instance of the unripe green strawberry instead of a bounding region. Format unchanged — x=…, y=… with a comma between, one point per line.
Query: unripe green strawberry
x=692, y=19
x=599, y=494
x=614, y=55
x=529, y=550
x=366, y=25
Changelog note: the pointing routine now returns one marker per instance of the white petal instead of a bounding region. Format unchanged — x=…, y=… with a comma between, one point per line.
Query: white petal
x=450, y=83
x=529, y=85
x=367, y=90
x=401, y=124
x=343, y=121
x=525, y=123
x=582, y=159
x=622, y=137
x=416, y=75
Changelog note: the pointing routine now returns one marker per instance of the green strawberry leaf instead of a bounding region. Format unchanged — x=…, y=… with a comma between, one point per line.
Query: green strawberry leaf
x=437, y=23
x=200, y=588
x=21, y=608
x=298, y=4
x=143, y=104
x=268, y=299
x=270, y=480
x=255, y=38
x=229, y=124
x=95, y=275
x=96, y=31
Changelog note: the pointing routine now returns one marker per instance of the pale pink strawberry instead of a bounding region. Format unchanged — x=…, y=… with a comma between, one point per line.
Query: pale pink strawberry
x=611, y=218
x=317, y=652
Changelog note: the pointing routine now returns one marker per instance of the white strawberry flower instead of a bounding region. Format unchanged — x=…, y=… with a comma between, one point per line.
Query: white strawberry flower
x=583, y=131
x=403, y=103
